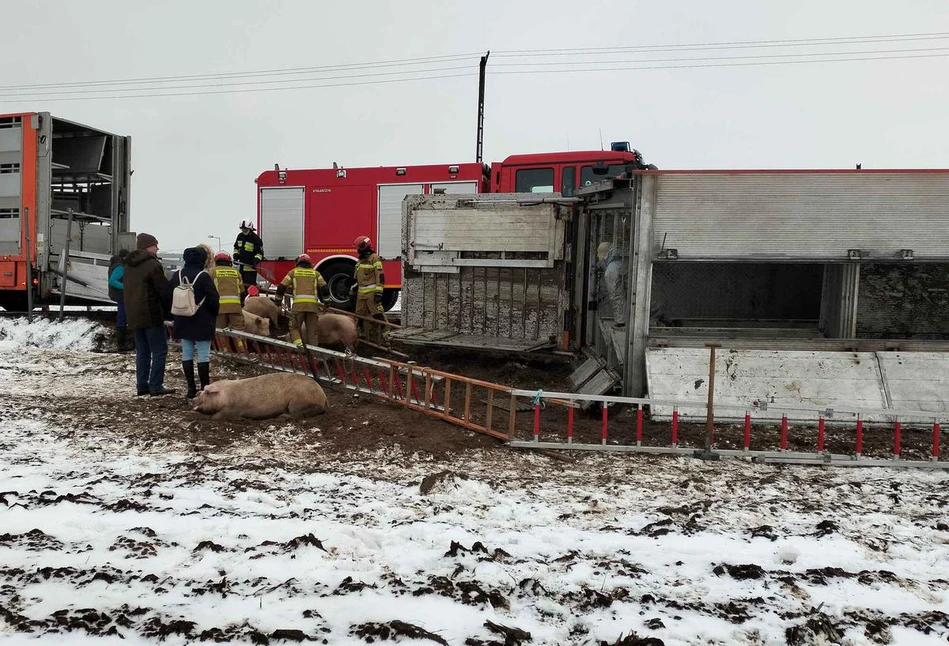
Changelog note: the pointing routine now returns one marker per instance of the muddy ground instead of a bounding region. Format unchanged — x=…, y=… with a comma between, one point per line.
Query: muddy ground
x=362, y=422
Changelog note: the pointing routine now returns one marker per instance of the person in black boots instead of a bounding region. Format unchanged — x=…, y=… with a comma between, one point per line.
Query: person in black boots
x=117, y=293
x=197, y=330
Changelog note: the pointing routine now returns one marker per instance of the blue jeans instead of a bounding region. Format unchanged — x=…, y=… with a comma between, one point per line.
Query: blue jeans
x=120, y=321
x=188, y=347
x=151, y=349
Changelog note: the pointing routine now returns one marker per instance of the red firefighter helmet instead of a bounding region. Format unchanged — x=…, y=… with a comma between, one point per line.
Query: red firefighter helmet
x=304, y=258
x=222, y=256
x=362, y=242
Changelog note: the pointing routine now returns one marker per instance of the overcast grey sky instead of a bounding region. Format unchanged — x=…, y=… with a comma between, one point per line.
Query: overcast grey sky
x=195, y=158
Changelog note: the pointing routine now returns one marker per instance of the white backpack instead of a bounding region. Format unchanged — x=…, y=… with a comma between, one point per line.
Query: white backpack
x=182, y=300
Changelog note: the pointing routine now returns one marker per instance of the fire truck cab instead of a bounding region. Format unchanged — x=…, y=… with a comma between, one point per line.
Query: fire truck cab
x=561, y=172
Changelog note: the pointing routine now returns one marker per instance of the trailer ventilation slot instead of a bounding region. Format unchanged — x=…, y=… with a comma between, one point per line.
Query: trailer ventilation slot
x=9, y=168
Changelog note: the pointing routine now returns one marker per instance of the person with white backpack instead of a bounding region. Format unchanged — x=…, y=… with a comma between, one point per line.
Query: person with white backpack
x=194, y=306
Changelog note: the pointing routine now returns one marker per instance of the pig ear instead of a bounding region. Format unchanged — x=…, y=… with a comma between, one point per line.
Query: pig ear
x=212, y=388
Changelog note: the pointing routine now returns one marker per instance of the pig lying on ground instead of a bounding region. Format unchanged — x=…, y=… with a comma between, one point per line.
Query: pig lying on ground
x=262, y=397
x=263, y=306
x=254, y=324
x=336, y=329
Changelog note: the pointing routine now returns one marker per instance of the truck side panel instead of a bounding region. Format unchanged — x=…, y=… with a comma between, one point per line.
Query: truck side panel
x=17, y=197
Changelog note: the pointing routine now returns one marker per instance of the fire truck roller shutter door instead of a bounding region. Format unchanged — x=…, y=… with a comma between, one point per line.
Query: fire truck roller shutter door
x=281, y=221
x=389, y=236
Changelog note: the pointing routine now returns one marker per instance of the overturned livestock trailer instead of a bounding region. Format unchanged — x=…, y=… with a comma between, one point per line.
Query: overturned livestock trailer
x=818, y=286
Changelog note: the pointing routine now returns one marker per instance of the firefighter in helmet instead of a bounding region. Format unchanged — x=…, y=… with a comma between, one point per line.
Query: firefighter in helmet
x=369, y=286
x=307, y=287
x=248, y=252
x=231, y=291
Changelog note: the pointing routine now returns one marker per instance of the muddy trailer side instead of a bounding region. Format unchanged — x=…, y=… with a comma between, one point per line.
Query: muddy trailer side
x=60, y=181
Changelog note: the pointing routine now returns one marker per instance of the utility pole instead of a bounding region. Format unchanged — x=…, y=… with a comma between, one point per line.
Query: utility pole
x=480, y=147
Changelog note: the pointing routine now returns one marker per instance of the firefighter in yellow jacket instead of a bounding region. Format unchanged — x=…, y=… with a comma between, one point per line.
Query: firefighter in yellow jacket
x=369, y=286
x=307, y=286
x=230, y=288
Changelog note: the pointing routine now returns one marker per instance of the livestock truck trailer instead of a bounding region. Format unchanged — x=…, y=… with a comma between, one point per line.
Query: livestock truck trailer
x=64, y=209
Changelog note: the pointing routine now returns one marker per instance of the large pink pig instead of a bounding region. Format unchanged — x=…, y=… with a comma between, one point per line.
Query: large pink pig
x=274, y=395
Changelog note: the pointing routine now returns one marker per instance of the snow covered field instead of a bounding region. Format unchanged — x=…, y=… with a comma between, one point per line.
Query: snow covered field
x=111, y=537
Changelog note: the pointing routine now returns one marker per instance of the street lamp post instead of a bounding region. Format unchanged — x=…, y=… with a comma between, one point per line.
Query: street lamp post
x=218, y=238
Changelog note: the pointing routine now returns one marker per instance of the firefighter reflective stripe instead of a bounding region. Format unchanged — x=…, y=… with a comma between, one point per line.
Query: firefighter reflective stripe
x=228, y=284
x=248, y=268
x=248, y=246
x=369, y=274
x=305, y=283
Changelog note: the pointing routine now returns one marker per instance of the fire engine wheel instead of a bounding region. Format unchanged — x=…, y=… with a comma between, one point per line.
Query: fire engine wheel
x=339, y=278
x=389, y=298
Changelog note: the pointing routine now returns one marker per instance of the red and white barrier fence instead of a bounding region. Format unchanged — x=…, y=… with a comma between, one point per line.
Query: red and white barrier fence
x=840, y=417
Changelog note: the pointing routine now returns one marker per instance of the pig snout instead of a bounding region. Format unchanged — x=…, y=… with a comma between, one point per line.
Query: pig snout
x=211, y=398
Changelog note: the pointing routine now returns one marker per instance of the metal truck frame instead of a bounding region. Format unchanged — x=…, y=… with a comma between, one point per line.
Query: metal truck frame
x=64, y=209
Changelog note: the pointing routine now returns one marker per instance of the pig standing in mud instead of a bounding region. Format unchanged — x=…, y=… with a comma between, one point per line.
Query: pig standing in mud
x=262, y=397
x=263, y=306
x=336, y=329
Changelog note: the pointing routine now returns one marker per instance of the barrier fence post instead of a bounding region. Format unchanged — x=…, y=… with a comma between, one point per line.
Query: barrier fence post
x=570, y=424
x=784, y=432
x=820, y=434
x=897, y=437
x=537, y=422
x=935, y=441
x=512, y=421
x=605, y=422
x=675, y=427
x=710, y=409
x=639, y=424
x=859, y=446
x=746, y=444
x=408, y=386
x=447, y=395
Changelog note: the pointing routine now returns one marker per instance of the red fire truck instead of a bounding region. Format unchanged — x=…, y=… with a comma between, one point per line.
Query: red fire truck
x=321, y=211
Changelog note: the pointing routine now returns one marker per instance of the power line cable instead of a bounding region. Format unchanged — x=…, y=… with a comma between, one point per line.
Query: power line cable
x=746, y=64
x=802, y=42
x=508, y=53
x=235, y=91
x=529, y=68
x=278, y=71
x=235, y=83
x=728, y=58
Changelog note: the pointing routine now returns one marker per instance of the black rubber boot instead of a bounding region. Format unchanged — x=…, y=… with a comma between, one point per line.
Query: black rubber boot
x=121, y=339
x=188, y=368
x=204, y=373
